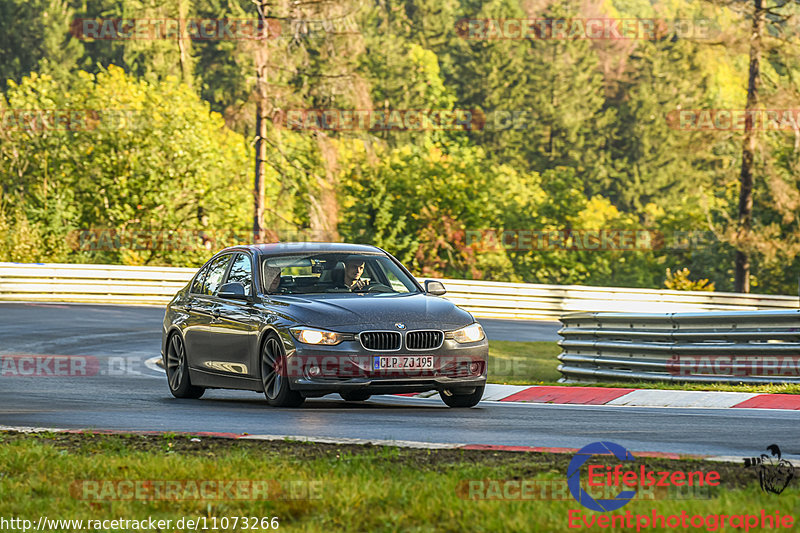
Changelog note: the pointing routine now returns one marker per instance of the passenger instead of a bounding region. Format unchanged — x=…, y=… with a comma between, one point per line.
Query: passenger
x=353, y=268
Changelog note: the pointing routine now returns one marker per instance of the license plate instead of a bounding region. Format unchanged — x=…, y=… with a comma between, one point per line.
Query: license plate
x=403, y=362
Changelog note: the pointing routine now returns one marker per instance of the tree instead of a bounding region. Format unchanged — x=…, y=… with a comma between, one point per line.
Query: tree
x=420, y=200
x=160, y=53
x=745, y=218
x=652, y=159
x=34, y=37
x=767, y=40
x=127, y=156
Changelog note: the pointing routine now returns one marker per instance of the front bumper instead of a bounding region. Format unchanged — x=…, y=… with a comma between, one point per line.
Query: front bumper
x=319, y=370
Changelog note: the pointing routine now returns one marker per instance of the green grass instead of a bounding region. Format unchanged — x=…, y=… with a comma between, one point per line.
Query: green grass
x=536, y=363
x=360, y=488
x=523, y=363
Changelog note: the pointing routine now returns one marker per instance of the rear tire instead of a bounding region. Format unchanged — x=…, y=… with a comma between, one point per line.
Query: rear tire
x=178, y=370
x=462, y=400
x=274, y=376
x=355, y=396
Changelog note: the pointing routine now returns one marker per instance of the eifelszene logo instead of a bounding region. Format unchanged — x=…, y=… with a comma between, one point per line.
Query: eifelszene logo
x=574, y=478
x=774, y=473
x=605, y=476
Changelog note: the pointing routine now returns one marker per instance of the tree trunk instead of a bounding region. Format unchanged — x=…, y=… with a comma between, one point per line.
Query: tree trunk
x=184, y=45
x=742, y=262
x=323, y=200
x=262, y=108
x=261, y=156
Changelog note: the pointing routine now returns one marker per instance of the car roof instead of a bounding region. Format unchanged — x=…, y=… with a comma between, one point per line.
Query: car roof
x=279, y=248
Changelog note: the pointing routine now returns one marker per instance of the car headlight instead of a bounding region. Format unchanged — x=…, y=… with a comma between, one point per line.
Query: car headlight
x=471, y=333
x=316, y=336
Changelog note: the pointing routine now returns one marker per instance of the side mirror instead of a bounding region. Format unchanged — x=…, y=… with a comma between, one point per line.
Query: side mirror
x=434, y=288
x=233, y=291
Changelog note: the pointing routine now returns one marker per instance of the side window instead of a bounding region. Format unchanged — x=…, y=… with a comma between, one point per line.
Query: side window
x=215, y=273
x=199, y=280
x=241, y=271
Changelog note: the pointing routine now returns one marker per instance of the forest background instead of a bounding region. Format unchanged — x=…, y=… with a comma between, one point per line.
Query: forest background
x=161, y=149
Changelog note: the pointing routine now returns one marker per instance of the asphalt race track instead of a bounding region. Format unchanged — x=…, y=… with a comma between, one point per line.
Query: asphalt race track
x=520, y=330
x=126, y=394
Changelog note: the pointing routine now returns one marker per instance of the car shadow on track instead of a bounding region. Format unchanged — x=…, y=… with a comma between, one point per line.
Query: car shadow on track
x=386, y=403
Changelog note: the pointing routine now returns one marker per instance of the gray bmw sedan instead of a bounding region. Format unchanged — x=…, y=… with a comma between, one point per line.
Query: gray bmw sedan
x=300, y=320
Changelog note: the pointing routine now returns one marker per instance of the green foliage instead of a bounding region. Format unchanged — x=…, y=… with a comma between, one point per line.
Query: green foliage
x=136, y=156
x=21, y=241
x=569, y=135
x=34, y=38
x=679, y=281
x=651, y=156
x=419, y=200
x=151, y=57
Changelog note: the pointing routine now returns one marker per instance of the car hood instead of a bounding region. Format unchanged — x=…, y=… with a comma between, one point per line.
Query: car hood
x=353, y=313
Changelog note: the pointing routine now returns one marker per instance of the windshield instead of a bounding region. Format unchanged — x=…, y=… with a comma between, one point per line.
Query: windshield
x=315, y=273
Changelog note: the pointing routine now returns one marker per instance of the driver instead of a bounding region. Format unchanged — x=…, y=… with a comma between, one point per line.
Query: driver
x=353, y=268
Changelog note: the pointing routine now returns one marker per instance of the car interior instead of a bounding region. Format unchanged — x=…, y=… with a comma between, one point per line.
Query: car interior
x=327, y=275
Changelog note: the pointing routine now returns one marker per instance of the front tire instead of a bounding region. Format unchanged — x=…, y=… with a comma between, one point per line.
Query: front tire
x=274, y=376
x=462, y=400
x=178, y=370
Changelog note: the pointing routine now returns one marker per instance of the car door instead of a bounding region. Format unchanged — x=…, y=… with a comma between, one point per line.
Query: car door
x=194, y=320
x=238, y=323
x=200, y=335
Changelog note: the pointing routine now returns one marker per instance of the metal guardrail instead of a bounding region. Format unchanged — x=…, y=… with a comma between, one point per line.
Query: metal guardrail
x=731, y=347
x=91, y=283
x=156, y=286
x=549, y=302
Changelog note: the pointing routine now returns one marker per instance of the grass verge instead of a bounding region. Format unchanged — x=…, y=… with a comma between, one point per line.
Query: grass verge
x=359, y=488
x=536, y=363
x=523, y=363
